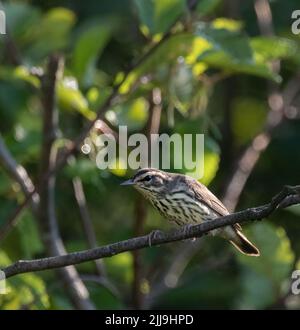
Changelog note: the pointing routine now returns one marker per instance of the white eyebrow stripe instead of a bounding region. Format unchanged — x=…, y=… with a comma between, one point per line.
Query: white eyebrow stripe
x=142, y=176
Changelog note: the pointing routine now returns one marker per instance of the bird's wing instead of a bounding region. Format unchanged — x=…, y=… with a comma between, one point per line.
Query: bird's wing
x=210, y=200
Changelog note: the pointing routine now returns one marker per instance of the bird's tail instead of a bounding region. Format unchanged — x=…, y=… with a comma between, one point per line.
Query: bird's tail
x=242, y=243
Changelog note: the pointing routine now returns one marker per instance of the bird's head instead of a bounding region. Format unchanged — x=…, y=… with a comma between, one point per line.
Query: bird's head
x=149, y=181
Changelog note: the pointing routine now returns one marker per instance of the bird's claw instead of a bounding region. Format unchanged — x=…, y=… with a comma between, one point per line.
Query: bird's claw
x=152, y=236
x=186, y=230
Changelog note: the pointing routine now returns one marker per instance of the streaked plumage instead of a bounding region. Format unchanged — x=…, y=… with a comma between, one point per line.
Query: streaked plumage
x=183, y=200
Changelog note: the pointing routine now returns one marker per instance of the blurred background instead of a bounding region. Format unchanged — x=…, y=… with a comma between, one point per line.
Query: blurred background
x=226, y=69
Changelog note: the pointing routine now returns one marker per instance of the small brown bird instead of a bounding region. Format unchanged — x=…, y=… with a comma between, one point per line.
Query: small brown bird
x=184, y=201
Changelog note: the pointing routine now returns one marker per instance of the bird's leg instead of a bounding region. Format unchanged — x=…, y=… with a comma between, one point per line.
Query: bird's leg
x=152, y=236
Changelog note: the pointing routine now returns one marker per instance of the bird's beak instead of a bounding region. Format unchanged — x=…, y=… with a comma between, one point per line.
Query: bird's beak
x=127, y=183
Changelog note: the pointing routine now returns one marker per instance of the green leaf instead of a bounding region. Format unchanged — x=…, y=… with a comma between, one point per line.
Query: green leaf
x=206, y=7
x=88, y=48
x=232, y=52
x=22, y=72
x=227, y=24
x=273, y=48
x=231, y=42
x=52, y=33
x=71, y=99
x=225, y=62
x=22, y=290
x=158, y=15
x=133, y=113
x=181, y=87
x=159, y=62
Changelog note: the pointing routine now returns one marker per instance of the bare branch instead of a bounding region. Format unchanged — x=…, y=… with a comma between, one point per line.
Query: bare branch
x=287, y=197
x=19, y=174
x=264, y=17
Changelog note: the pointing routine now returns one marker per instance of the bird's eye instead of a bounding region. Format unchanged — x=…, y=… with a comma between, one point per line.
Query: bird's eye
x=147, y=178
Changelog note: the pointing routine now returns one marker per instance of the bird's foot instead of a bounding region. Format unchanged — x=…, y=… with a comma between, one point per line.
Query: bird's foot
x=186, y=229
x=152, y=236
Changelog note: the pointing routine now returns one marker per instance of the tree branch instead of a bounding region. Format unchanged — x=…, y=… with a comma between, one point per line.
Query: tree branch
x=290, y=195
x=87, y=222
x=18, y=173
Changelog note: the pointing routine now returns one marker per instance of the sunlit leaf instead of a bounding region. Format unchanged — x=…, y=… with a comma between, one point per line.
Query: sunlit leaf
x=71, y=99
x=227, y=24
x=158, y=15
x=163, y=58
x=23, y=290
x=232, y=52
x=23, y=73
x=223, y=61
x=230, y=41
x=181, y=87
x=133, y=113
x=270, y=48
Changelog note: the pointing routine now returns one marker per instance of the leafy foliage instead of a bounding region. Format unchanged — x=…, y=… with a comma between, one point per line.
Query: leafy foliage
x=213, y=74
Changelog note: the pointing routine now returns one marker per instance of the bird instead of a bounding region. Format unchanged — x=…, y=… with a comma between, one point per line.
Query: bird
x=185, y=201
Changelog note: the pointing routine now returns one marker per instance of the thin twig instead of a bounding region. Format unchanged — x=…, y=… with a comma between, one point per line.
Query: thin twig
x=287, y=197
x=86, y=221
x=18, y=173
